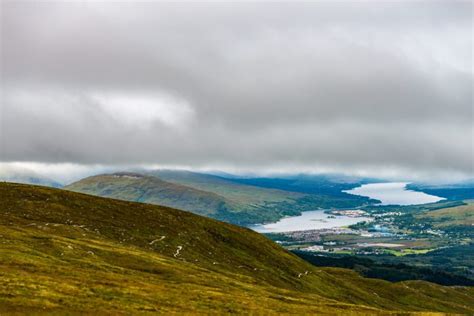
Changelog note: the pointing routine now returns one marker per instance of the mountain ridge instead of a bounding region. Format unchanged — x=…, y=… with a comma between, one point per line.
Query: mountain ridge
x=217, y=197
x=131, y=186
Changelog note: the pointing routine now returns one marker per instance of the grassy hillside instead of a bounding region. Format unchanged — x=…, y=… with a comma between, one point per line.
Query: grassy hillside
x=462, y=215
x=207, y=195
x=63, y=252
x=148, y=189
x=259, y=203
x=239, y=193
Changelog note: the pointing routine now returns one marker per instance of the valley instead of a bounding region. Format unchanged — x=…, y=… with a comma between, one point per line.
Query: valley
x=236, y=158
x=336, y=227
x=333, y=219
x=227, y=199
x=76, y=253
x=419, y=237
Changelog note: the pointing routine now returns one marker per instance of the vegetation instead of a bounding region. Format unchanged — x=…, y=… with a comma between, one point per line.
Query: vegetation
x=417, y=242
x=64, y=252
x=209, y=195
x=415, y=219
x=451, y=217
x=312, y=184
x=239, y=193
x=457, y=260
x=462, y=191
x=148, y=189
x=454, y=219
x=394, y=272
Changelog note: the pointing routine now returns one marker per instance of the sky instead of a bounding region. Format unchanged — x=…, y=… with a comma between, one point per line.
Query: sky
x=373, y=88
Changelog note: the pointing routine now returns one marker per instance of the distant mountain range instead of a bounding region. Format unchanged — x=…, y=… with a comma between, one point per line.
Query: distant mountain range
x=68, y=253
x=27, y=177
x=235, y=200
x=456, y=191
x=311, y=184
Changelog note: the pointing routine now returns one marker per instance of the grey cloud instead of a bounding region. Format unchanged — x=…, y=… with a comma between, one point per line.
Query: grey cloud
x=268, y=84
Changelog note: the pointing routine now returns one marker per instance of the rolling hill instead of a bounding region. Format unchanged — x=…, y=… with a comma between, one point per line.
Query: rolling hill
x=457, y=217
x=63, y=252
x=265, y=202
x=200, y=193
x=237, y=192
x=147, y=189
x=323, y=191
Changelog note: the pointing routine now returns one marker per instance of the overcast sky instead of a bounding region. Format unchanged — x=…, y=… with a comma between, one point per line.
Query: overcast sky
x=373, y=88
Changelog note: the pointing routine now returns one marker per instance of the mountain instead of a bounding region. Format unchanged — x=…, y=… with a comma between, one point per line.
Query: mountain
x=454, y=191
x=68, y=253
x=205, y=194
x=328, y=184
x=23, y=175
x=268, y=201
x=235, y=191
x=148, y=189
x=232, y=203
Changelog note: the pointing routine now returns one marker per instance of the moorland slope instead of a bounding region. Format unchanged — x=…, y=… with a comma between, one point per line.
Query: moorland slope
x=65, y=252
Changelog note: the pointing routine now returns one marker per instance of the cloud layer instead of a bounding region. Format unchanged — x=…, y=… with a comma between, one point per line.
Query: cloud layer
x=343, y=86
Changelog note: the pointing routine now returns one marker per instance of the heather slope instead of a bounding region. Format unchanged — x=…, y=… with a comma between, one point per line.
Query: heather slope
x=67, y=252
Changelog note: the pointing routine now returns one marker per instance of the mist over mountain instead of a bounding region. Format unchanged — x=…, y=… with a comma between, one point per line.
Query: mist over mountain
x=376, y=90
x=21, y=175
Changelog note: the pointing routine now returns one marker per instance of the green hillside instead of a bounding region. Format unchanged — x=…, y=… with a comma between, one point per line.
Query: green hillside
x=458, y=216
x=64, y=253
x=239, y=193
x=148, y=189
x=235, y=203
x=256, y=204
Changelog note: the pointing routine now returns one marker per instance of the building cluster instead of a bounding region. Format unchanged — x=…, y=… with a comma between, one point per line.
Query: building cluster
x=349, y=213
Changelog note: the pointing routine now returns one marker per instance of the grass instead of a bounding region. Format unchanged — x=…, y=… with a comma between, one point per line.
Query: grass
x=208, y=195
x=453, y=216
x=65, y=253
x=233, y=191
x=232, y=202
x=408, y=251
x=147, y=189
